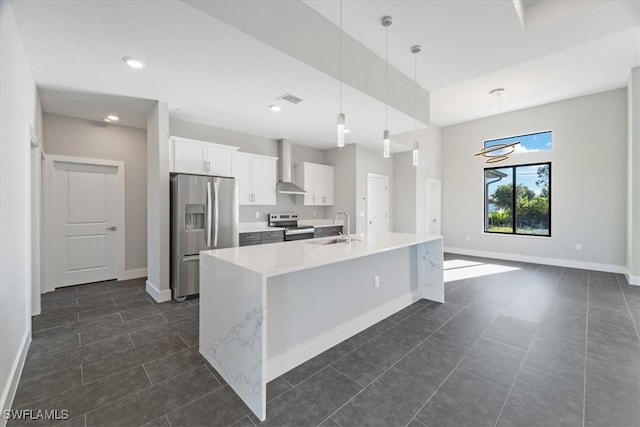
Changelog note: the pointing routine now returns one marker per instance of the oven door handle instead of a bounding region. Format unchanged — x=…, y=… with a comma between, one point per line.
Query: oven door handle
x=299, y=231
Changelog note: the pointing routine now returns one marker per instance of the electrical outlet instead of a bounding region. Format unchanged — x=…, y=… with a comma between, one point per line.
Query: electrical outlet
x=578, y=246
x=257, y=214
x=468, y=238
x=376, y=281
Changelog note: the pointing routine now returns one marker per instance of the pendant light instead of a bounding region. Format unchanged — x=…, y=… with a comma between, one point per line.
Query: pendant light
x=416, y=147
x=386, y=21
x=341, y=118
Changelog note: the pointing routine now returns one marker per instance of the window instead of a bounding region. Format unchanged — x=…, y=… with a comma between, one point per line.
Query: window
x=527, y=210
x=539, y=141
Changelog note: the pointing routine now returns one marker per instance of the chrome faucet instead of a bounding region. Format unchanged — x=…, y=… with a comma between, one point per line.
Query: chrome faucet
x=347, y=237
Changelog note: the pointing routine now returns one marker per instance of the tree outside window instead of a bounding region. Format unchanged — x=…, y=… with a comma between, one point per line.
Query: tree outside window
x=527, y=210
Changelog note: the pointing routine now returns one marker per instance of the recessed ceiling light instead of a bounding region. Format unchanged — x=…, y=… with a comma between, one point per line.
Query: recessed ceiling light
x=113, y=117
x=106, y=120
x=134, y=62
x=273, y=107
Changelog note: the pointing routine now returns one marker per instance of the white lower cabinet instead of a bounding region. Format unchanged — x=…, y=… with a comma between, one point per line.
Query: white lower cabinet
x=257, y=176
x=318, y=182
x=201, y=157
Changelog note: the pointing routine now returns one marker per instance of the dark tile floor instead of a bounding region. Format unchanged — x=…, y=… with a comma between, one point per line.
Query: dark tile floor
x=530, y=346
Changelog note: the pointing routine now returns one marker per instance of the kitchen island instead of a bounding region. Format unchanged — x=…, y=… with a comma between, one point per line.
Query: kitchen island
x=266, y=309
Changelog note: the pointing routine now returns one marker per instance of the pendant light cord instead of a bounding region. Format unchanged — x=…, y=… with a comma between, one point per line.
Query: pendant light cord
x=386, y=94
x=415, y=93
x=340, y=59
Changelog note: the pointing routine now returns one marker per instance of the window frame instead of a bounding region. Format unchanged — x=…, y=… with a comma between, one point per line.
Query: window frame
x=513, y=199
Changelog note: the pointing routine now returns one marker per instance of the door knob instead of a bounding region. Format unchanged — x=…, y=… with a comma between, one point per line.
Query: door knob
x=112, y=228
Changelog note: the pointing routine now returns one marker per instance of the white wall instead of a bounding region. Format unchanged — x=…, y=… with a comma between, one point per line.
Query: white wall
x=404, y=193
x=82, y=138
x=588, y=191
x=370, y=160
x=633, y=178
x=430, y=167
x=344, y=162
x=158, y=202
x=257, y=145
x=19, y=110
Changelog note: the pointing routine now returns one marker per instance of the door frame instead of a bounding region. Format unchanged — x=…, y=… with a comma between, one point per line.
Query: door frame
x=438, y=183
x=49, y=236
x=386, y=178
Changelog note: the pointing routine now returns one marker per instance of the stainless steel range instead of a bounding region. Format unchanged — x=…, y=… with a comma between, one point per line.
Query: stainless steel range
x=290, y=223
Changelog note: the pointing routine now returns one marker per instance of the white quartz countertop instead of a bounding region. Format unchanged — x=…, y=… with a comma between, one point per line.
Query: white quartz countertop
x=319, y=222
x=287, y=257
x=253, y=227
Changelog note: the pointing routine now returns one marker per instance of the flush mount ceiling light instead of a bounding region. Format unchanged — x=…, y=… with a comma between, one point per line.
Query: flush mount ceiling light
x=416, y=146
x=134, y=62
x=113, y=117
x=275, y=108
x=341, y=118
x=386, y=21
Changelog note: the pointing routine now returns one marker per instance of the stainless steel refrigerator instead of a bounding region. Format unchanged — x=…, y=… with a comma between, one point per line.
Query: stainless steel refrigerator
x=204, y=215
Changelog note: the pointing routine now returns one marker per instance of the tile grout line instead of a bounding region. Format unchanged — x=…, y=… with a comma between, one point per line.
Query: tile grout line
x=524, y=359
x=166, y=417
x=147, y=374
x=81, y=375
x=586, y=342
x=450, y=373
x=131, y=339
x=627, y=304
x=392, y=365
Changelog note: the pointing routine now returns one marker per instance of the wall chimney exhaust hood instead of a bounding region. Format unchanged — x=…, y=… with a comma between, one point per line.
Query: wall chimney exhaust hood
x=285, y=186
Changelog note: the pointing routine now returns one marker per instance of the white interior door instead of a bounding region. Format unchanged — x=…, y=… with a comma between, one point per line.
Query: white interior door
x=85, y=222
x=377, y=202
x=434, y=206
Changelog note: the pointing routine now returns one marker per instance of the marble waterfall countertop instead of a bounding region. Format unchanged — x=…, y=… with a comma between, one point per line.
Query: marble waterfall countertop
x=287, y=257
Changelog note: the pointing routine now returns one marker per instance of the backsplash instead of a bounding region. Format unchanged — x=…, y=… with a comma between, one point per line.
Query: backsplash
x=284, y=203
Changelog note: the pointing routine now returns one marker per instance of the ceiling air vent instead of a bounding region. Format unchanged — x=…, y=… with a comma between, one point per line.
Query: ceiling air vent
x=291, y=98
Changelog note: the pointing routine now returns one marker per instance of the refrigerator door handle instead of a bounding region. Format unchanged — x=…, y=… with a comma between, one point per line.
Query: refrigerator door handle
x=216, y=222
x=208, y=227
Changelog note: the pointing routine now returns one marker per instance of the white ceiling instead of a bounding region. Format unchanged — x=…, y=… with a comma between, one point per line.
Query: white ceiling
x=213, y=73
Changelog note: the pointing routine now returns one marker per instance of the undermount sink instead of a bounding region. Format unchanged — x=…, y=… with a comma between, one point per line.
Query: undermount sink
x=330, y=241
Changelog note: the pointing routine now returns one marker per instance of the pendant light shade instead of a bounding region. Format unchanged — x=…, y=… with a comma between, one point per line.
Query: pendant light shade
x=386, y=144
x=341, y=130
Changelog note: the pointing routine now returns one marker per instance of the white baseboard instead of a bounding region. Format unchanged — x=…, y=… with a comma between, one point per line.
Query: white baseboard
x=608, y=268
x=133, y=274
x=156, y=294
x=9, y=391
x=632, y=280
x=283, y=362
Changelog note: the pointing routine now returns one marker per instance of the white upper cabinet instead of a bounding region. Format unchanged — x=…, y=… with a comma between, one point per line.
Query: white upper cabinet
x=201, y=157
x=317, y=180
x=257, y=176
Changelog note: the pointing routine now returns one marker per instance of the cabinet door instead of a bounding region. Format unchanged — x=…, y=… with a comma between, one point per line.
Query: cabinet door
x=312, y=185
x=264, y=181
x=245, y=180
x=190, y=157
x=327, y=186
x=221, y=161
